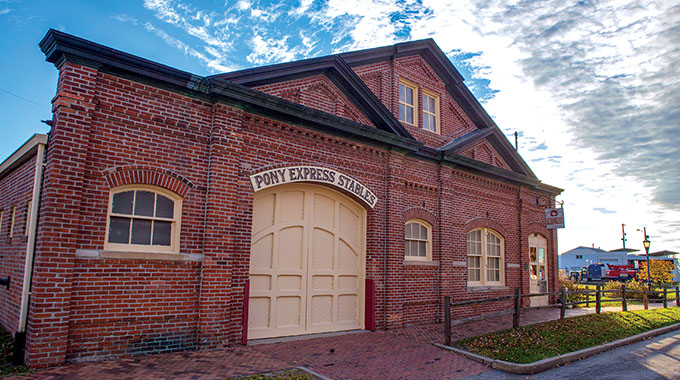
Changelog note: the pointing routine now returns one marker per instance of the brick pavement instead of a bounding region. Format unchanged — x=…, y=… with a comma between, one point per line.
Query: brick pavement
x=405, y=353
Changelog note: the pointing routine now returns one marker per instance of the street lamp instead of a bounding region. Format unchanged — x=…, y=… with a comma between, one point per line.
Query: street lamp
x=647, y=243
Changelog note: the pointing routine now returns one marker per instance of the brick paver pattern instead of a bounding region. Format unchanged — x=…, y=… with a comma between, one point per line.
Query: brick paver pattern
x=405, y=353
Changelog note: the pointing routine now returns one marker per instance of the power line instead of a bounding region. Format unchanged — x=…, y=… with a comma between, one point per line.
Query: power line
x=22, y=98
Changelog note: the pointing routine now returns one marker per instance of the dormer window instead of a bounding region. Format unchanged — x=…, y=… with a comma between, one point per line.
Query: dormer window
x=407, y=102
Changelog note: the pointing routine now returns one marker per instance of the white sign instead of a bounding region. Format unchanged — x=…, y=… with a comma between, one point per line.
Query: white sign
x=280, y=176
x=554, y=218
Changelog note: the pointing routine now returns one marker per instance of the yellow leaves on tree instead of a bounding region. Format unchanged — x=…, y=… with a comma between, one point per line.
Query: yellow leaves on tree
x=660, y=271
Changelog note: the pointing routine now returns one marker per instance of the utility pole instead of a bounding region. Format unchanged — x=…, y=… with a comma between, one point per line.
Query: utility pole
x=623, y=231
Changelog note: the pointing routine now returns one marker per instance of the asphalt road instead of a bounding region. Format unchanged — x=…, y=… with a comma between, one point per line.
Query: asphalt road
x=656, y=358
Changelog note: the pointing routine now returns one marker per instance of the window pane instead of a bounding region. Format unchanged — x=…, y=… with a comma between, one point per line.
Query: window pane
x=409, y=228
x=425, y=103
x=409, y=115
x=409, y=96
x=119, y=230
x=161, y=233
x=141, y=232
x=432, y=124
x=422, y=248
x=425, y=121
x=532, y=254
x=402, y=113
x=401, y=93
x=541, y=255
x=164, y=207
x=432, y=106
x=144, y=203
x=423, y=232
x=122, y=202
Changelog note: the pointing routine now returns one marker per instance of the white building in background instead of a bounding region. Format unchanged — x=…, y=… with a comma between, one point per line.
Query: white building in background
x=580, y=257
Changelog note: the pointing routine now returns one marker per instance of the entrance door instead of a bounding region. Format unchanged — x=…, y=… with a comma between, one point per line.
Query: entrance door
x=306, y=262
x=538, y=269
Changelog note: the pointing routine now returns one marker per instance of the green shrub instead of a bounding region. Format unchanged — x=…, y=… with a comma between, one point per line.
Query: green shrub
x=573, y=286
x=634, y=289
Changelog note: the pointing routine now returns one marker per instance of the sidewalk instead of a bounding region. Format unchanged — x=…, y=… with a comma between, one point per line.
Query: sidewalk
x=405, y=353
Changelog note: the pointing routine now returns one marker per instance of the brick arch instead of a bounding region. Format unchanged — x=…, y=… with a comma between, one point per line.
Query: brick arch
x=537, y=228
x=146, y=175
x=488, y=223
x=420, y=213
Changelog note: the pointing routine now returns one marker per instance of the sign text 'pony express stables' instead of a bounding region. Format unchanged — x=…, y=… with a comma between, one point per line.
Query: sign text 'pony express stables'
x=280, y=176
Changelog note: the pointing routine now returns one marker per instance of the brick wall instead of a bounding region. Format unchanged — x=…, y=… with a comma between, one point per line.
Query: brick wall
x=16, y=190
x=110, y=129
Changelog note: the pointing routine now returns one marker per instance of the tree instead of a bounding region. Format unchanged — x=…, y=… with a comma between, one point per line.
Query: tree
x=660, y=271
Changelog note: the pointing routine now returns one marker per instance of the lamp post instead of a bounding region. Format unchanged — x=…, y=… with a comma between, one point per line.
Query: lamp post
x=647, y=243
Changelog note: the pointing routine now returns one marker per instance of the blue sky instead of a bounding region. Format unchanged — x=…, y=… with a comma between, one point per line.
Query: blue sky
x=592, y=87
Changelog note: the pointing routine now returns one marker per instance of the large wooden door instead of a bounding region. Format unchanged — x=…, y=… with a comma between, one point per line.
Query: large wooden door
x=306, y=263
x=538, y=269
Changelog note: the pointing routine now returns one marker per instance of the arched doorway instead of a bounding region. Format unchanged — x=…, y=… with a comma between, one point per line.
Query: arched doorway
x=538, y=268
x=307, y=262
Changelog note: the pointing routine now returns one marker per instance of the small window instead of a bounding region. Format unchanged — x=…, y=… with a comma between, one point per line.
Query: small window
x=430, y=112
x=143, y=219
x=407, y=102
x=485, y=263
x=11, y=221
x=418, y=240
x=28, y=217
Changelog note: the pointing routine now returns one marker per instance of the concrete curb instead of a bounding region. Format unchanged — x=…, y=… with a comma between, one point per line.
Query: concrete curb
x=542, y=365
x=316, y=374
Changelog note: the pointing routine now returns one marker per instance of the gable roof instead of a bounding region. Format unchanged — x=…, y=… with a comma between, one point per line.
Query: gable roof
x=453, y=80
x=335, y=69
x=60, y=47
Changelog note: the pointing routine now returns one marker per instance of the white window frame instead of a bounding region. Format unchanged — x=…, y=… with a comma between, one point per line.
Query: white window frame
x=28, y=217
x=427, y=112
x=428, y=241
x=11, y=222
x=175, y=226
x=414, y=88
x=483, y=280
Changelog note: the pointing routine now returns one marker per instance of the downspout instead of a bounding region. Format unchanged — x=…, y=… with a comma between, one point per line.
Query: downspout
x=521, y=237
x=20, y=335
x=439, y=238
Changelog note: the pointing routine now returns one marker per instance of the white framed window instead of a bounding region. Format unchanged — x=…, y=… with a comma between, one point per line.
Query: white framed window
x=485, y=253
x=417, y=240
x=408, y=93
x=430, y=111
x=143, y=218
x=28, y=217
x=11, y=221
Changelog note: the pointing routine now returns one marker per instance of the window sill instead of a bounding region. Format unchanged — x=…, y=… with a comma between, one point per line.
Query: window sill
x=104, y=254
x=423, y=263
x=486, y=288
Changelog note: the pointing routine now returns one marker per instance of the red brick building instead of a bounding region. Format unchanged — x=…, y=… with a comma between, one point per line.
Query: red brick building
x=169, y=211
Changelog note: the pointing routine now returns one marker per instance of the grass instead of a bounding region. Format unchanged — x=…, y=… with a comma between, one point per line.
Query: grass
x=289, y=374
x=6, y=350
x=531, y=343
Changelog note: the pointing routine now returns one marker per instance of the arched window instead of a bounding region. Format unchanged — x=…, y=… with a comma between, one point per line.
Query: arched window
x=143, y=218
x=485, y=249
x=418, y=240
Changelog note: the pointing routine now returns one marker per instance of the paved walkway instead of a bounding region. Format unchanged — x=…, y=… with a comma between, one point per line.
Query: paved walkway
x=405, y=353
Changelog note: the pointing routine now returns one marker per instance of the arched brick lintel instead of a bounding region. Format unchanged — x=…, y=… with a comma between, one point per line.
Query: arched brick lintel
x=537, y=228
x=420, y=213
x=145, y=175
x=488, y=223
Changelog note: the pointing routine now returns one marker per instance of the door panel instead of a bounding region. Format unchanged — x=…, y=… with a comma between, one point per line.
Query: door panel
x=538, y=269
x=307, y=262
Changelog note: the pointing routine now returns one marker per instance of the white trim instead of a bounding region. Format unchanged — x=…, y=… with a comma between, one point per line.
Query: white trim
x=24, y=150
x=483, y=266
x=32, y=227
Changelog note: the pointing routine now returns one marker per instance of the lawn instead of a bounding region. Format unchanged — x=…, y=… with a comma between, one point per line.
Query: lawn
x=6, y=349
x=531, y=343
